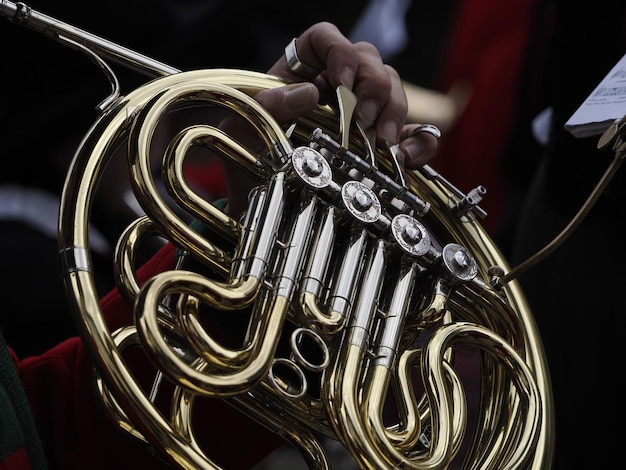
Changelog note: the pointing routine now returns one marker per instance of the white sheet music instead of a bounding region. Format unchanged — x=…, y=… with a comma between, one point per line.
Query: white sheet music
x=605, y=105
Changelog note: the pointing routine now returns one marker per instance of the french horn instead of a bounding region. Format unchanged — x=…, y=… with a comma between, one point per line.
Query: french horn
x=356, y=286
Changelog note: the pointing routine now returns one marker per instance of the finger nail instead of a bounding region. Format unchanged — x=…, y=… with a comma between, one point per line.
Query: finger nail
x=299, y=95
x=347, y=77
x=389, y=132
x=413, y=153
x=368, y=110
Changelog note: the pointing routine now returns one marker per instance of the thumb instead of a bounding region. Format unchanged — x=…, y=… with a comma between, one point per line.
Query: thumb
x=290, y=101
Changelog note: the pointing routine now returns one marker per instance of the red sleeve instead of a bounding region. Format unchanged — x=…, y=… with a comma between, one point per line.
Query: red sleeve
x=75, y=432
x=486, y=51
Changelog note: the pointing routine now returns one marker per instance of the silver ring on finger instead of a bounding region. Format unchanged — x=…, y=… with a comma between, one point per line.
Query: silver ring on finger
x=429, y=128
x=296, y=65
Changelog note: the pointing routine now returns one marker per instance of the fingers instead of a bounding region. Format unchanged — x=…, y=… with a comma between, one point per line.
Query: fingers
x=417, y=147
x=381, y=101
x=289, y=102
x=324, y=48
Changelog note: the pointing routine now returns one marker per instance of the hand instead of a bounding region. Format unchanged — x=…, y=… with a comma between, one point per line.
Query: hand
x=382, y=104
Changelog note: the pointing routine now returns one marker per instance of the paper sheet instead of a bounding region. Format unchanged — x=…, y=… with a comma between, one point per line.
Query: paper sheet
x=605, y=105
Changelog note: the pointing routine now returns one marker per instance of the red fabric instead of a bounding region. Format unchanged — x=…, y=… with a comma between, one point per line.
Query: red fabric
x=487, y=52
x=204, y=175
x=77, y=435
x=17, y=461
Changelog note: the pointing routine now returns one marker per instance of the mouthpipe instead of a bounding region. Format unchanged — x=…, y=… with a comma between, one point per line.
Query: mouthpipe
x=22, y=14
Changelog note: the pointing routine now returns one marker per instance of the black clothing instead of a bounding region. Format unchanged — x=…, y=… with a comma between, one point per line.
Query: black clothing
x=575, y=293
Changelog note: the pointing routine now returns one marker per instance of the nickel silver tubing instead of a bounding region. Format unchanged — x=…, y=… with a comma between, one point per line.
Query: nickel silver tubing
x=22, y=14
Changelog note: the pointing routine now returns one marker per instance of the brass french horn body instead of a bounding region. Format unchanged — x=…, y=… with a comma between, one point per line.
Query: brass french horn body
x=355, y=287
